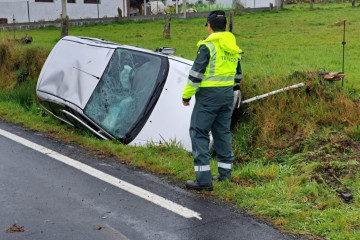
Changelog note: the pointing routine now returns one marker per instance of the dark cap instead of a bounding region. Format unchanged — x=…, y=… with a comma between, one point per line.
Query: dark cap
x=215, y=14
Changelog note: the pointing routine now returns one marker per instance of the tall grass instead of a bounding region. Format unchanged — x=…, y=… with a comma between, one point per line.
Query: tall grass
x=19, y=68
x=19, y=62
x=22, y=95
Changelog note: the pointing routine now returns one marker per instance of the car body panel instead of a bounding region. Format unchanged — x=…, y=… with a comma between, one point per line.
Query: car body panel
x=170, y=120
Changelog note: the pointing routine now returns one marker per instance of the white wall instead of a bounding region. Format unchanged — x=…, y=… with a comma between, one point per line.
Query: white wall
x=229, y=3
x=108, y=8
x=256, y=3
x=52, y=11
x=19, y=9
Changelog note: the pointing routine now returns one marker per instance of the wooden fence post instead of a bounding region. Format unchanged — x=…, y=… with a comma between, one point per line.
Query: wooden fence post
x=184, y=8
x=119, y=15
x=64, y=20
x=237, y=7
x=167, y=26
x=231, y=22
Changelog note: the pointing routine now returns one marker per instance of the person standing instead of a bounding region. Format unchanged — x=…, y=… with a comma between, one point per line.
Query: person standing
x=214, y=76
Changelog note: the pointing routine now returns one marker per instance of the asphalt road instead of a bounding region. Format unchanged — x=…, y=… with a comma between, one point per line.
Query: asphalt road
x=52, y=200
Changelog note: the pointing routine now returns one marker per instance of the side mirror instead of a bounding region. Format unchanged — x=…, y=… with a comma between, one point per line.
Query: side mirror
x=165, y=50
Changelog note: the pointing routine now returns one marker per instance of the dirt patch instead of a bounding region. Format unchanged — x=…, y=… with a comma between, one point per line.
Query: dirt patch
x=240, y=182
x=15, y=228
x=335, y=183
x=97, y=227
x=316, y=178
x=331, y=174
x=343, y=145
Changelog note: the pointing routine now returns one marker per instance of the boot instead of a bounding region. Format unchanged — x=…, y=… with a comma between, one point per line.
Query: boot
x=219, y=179
x=194, y=185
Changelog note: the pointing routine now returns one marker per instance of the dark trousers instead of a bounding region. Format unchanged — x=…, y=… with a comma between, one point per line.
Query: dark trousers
x=214, y=116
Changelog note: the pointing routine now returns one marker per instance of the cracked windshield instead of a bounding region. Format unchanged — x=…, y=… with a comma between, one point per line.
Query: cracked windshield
x=122, y=94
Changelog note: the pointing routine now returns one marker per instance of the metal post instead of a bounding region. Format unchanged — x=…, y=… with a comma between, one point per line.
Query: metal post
x=343, y=43
x=14, y=25
x=177, y=6
x=98, y=8
x=272, y=93
x=28, y=8
x=343, y=65
x=145, y=7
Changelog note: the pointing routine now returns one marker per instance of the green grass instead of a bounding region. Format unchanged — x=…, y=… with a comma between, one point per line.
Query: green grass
x=285, y=145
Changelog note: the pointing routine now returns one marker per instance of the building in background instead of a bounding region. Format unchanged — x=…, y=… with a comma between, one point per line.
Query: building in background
x=229, y=3
x=22, y=11
x=50, y=10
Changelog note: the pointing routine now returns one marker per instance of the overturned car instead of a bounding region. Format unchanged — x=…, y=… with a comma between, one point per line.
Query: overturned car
x=118, y=92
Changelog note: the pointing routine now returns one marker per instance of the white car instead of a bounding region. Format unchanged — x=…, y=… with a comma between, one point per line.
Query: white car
x=119, y=92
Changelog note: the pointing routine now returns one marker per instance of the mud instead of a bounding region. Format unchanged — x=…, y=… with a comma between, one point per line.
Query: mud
x=333, y=175
x=15, y=228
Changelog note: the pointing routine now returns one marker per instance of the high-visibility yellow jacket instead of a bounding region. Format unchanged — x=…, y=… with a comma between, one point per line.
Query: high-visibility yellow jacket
x=223, y=65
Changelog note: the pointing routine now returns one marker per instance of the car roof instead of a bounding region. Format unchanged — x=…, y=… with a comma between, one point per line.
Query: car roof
x=108, y=44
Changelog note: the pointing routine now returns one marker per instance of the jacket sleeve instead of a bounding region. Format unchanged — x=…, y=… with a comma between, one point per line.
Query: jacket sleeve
x=238, y=76
x=196, y=73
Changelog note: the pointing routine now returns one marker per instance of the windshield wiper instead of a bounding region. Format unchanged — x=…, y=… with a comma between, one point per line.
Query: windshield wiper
x=87, y=73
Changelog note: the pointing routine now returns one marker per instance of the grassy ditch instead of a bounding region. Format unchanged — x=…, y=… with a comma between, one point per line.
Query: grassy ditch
x=296, y=152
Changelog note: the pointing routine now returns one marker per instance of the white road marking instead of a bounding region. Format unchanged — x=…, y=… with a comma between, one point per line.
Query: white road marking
x=151, y=197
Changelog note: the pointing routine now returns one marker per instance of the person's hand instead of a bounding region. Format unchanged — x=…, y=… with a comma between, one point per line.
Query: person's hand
x=186, y=103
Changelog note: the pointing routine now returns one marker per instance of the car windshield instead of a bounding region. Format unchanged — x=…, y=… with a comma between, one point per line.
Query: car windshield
x=127, y=92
